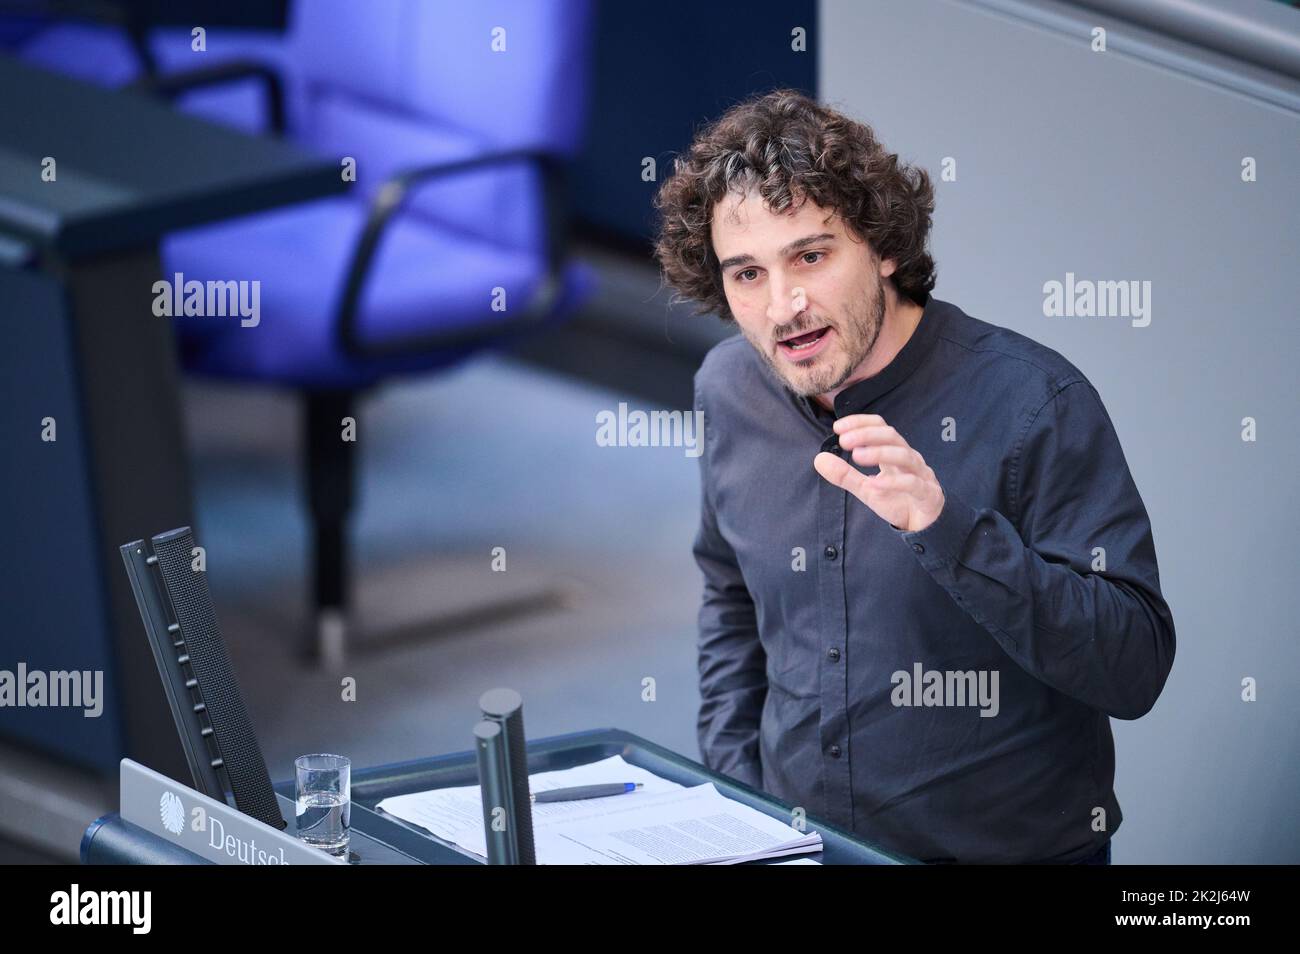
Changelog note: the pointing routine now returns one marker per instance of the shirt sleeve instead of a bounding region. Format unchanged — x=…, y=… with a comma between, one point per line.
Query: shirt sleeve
x=1073, y=593
x=732, y=664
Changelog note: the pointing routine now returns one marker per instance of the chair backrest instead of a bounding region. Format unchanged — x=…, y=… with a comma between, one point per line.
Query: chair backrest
x=103, y=53
x=93, y=52
x=393, y=84
x=402, y=83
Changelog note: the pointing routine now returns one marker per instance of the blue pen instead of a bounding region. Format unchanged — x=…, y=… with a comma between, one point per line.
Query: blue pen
x=585, y=791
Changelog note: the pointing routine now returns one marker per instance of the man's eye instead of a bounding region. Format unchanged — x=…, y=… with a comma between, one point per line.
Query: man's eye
x=806, y=254
x=740, y=276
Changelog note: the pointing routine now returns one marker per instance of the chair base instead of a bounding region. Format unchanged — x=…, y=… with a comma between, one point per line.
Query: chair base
x=333, y=639
x=328, y=648
x=331, y=434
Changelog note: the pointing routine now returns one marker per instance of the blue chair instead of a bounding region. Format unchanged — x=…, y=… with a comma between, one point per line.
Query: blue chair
x=240, y=80
x=460, y=121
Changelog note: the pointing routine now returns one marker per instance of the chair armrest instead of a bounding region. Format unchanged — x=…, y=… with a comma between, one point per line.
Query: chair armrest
x=170, y=85
x=390, y=199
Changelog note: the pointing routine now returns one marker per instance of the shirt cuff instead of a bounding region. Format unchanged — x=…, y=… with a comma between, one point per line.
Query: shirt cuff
x=941, y=543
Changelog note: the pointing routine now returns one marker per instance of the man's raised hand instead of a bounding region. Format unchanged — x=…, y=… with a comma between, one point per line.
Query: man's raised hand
x=905, y=492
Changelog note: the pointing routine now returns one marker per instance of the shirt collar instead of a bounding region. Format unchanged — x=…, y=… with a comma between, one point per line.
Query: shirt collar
x=857, y=397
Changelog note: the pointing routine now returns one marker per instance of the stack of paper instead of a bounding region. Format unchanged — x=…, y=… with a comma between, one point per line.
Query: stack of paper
x=662, y=823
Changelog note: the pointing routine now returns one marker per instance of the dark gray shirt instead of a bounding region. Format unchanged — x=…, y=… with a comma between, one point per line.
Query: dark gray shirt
x=943, y=693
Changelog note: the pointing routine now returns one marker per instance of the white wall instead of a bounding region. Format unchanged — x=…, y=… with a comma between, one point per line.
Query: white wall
x=1127, y=165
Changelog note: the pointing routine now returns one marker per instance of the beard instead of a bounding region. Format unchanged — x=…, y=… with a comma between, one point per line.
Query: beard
x=855, y=336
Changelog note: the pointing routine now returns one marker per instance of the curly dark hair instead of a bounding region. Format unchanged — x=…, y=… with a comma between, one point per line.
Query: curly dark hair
x=792, y=148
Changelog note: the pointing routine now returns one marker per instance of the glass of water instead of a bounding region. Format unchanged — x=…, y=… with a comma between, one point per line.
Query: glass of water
x=324, y=801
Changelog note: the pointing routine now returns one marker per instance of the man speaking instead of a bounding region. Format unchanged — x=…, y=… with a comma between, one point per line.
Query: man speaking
x=929, y=578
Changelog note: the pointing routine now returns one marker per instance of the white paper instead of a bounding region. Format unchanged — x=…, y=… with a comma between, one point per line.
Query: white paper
x=696, y=825
x=446, y=812
x=661, y=823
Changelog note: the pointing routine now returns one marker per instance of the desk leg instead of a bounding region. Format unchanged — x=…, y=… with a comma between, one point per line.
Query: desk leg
x=126, y=364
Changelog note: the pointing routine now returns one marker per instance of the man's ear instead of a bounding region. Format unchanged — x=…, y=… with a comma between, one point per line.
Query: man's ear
x=887, y=267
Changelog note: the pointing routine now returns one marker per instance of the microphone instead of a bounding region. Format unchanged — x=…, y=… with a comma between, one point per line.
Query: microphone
x=503, y=779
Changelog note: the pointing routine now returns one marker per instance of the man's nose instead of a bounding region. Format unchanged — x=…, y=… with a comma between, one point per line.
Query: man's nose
x=785, y=302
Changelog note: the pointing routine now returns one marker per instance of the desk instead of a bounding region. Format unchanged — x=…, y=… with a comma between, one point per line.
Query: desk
x=82, y=345
x=381, y=839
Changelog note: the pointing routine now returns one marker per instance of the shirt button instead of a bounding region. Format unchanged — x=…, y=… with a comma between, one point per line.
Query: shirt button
x=835, y=751
x=918, y=548
x=834, y=655
x=831, y=553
